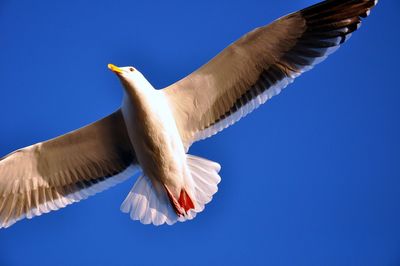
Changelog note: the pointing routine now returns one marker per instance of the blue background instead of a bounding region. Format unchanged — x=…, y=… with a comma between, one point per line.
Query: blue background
x=310, y=178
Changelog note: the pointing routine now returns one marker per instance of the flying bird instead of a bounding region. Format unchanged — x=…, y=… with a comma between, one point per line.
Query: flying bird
x=151, y=133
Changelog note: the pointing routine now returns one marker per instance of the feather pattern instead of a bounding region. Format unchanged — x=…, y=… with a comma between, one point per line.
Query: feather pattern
x=51, y=175
x=259, y=65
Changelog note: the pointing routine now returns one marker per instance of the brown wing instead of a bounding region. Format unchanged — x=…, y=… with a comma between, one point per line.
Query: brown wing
x=52, y=174
x=259, y=65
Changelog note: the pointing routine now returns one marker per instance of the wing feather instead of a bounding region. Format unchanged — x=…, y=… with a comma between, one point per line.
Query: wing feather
x=53, y=174
x=259, y=65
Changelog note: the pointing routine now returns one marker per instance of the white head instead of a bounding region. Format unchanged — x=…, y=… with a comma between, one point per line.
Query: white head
x=130, y=77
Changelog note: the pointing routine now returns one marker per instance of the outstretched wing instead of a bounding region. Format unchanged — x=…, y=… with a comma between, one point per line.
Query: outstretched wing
x=52, y=174
x=259, y=65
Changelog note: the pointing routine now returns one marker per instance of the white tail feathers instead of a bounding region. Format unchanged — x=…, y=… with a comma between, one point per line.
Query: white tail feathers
x=148, y=204
x=148, y=201
x=205, y=180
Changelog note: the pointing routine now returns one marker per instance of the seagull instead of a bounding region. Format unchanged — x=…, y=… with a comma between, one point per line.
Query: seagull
x=150, y=134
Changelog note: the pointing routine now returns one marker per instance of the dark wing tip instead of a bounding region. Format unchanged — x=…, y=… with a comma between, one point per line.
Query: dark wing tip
x=339, y=8
x=335, y=18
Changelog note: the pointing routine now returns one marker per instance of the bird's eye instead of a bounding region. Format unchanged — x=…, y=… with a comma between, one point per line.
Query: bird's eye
x=131, y=69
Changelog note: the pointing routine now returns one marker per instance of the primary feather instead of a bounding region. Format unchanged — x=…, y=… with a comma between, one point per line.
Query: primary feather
x=259, y=65
x=53, y=174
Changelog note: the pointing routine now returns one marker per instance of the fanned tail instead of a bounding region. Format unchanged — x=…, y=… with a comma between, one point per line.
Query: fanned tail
x=153, y=203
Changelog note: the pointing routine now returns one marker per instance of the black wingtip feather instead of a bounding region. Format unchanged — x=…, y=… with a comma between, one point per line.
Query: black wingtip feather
x=334, y=19
x=337, y=5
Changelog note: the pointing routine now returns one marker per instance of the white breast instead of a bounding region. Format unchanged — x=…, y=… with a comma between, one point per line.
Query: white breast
x=155, y=136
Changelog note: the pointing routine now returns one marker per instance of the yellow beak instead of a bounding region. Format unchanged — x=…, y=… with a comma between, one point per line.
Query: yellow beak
x=114, y=68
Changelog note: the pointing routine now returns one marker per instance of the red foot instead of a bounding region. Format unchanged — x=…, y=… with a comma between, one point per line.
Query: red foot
x=184, y=203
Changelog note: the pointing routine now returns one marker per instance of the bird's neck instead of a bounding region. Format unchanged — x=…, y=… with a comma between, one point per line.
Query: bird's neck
x=138, y=88
x=141, y=93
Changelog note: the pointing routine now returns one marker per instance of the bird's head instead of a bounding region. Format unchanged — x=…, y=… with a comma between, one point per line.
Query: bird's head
x=129, y=76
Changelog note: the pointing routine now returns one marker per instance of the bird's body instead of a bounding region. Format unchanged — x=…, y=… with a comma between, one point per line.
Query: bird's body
x=153, y=130
x=154, y=134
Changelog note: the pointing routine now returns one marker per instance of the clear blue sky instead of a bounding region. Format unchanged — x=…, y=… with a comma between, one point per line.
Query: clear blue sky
x=310, y=178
